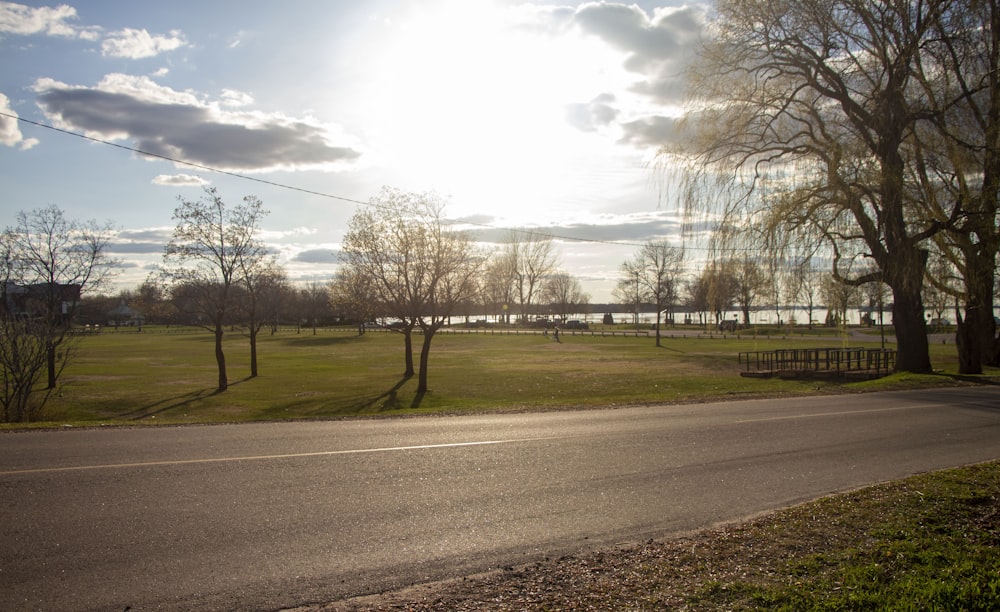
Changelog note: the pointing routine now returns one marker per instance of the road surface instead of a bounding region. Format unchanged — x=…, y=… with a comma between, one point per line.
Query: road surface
x=267, y=516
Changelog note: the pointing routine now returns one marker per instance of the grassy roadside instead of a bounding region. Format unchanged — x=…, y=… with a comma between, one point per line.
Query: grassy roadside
x=924, y=543
x=158, y=377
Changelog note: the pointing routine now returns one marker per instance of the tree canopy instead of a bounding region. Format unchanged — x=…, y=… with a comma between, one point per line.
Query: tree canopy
x=812, y=119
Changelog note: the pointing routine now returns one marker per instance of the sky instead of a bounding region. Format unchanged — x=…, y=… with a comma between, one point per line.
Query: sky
x=535, y=114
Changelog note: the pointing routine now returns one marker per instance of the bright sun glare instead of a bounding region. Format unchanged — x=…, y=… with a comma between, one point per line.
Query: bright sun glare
x=478, y=111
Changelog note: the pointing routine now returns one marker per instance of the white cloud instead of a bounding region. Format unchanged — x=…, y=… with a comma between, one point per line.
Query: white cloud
x=234, y=98
x=237, y=39
x=137, y=44
x=654, y=131
x=57, y=21
x=50, y=21
x=658, y=48
x=179, y=180
x=10, y=131
x=184, y=126
x=318, y=256
x=593, y=115
x=295, y=232
x=630, y=229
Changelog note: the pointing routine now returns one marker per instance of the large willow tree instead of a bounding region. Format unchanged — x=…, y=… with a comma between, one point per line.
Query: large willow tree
x=956, y=163
x=808, y=111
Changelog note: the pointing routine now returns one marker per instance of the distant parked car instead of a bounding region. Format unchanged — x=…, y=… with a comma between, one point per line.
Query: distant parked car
x=728, y=325
x=574, y=325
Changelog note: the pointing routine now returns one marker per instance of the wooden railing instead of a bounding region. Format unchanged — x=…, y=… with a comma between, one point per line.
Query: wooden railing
x=818, y=360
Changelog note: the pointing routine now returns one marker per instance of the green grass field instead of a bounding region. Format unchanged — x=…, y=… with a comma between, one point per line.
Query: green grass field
x=168, y=377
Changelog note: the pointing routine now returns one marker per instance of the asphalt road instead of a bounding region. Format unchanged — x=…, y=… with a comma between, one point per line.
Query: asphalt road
x=267, y=516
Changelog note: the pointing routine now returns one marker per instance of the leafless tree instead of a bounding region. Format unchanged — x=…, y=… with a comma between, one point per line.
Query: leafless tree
x=423, y=269
x=722, y=287
x=23, y=356
x=876, y=296
x=153, y=300
x=653, y=277
x=943, y=289
x=378, y=246
x=839, y=297
x=804, y=287
x=498, y=286
x=532, y=259
x=49, y=262
x=749, y=282
x=696, y=298
x=262, y=284
x=563, y=294
x=354, y=296
x=314, y=304
x=629, y=289
x=278, y=299
x=712, y=290
x=205, y=259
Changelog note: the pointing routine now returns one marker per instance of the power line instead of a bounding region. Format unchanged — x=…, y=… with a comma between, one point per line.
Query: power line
x=181, y=161
x=532, y=232
x=292, y=187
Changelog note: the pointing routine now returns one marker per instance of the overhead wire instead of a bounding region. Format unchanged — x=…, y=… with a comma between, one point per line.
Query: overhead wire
x=534, y=232
x=524, y=230
x=276, y=184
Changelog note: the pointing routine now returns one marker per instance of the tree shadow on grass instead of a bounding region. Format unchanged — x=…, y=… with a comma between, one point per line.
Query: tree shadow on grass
x=387, y=401
x=663, y=345
x=177, y=401
x=169, y=403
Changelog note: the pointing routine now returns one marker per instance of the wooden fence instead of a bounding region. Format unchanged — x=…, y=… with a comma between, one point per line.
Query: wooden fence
x=819, y=361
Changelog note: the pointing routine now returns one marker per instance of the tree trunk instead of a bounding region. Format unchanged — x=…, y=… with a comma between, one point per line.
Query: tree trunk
x=658, y=327
x=253, y=349
x=903, y=262
x=50, y=362
x=220, y=358
x=912, y=350
x=408, y=351
x=981, y=267
x=976, y=337
x=425, y=351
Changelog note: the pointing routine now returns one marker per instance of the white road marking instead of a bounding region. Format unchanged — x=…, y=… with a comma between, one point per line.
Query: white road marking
x=77, y=468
